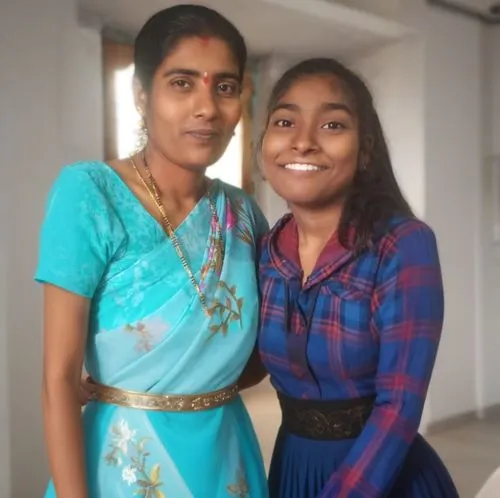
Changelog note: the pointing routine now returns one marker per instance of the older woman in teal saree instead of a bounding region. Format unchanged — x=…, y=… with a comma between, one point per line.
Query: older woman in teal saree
x=149, y=273
x=150, y=334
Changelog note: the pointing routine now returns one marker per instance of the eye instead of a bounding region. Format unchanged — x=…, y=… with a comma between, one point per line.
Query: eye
x=181, y=84
x=283, y=123
x=226, y=88
x=334, y=125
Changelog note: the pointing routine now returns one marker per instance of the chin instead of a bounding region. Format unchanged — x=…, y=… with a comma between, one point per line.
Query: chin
x=197, y=163
x=297, y=199
x=291, y=191
x=203, y=159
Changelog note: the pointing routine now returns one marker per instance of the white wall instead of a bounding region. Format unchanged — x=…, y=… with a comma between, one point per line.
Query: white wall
x=51, y=114
x=492, y=51
x=4, y=371
x=32, y=153
x=7, y=83
x=453, y=127
x=4, y=240
x=395, y=76
x=490, y=251
x=82, y=95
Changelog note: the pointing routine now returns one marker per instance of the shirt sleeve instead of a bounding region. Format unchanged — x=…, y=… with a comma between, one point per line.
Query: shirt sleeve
x=75, y=236
x=408, y=308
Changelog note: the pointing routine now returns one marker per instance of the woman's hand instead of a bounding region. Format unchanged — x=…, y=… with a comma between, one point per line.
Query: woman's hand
x=87, y=390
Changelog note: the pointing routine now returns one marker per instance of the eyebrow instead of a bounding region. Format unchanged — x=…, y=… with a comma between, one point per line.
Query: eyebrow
x=224, y=75
x=327, y=106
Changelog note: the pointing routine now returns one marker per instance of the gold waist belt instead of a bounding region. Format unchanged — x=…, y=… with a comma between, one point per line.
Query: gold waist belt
x=165, y=402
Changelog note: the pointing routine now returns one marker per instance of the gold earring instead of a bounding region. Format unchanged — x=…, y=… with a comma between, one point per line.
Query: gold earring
x=141, y=133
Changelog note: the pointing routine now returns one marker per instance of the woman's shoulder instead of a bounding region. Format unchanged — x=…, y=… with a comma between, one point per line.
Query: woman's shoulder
x=86, y=173
x=402, y=227
x=407, y=236
x=90, y=182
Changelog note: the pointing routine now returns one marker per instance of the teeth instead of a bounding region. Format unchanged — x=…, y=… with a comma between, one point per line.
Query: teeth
x=302, y=167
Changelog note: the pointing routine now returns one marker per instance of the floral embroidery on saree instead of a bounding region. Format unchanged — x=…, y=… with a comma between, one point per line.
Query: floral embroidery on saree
x=240, y=489
x=225, y=311
x=148, y=333
x=131, y=456
x=238, y=219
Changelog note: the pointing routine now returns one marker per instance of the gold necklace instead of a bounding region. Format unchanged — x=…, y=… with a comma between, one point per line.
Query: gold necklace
x=154, y=192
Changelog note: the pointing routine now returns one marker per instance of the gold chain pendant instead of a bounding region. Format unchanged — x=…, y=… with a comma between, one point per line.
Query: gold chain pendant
x=218, y=252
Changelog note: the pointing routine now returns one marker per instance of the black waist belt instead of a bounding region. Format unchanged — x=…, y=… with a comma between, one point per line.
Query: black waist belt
x=325, y=420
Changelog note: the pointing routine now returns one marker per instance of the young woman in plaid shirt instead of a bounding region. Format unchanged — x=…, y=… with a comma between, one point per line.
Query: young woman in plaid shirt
x=352, y=299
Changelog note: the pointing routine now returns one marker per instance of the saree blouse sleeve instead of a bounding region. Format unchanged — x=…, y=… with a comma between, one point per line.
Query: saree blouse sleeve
x=77, y=234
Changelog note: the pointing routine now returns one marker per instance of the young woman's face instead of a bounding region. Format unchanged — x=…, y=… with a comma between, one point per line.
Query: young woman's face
x=193, y=105
x=311, y=145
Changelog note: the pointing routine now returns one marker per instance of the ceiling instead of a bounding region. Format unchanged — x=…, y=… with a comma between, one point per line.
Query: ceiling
x=481, y=5
x=477, y=8
x=298, y=27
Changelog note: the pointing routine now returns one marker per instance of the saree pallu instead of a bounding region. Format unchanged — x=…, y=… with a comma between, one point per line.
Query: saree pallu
x=148, y=333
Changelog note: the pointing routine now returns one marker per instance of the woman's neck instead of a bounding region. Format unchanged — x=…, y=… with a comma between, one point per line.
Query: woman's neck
x=179, y=185
x=316, y=226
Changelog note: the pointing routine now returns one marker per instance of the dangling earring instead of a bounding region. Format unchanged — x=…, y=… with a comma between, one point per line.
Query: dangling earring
x=142, y=133
x=363, y=162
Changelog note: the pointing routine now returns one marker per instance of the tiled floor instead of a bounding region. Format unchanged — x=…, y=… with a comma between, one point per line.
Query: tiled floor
x=471, y=451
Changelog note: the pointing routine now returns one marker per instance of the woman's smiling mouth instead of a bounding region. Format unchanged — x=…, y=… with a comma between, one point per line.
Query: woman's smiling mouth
x=303, y=167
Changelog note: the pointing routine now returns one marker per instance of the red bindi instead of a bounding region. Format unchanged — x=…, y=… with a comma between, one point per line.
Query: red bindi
x=205, y=40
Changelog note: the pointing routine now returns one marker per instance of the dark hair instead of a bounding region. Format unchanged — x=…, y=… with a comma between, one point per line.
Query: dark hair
x=374, y=197
x=165, y=29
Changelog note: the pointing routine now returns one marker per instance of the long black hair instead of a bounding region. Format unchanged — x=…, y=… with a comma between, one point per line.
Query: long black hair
x=374, y=197
x=165, y=29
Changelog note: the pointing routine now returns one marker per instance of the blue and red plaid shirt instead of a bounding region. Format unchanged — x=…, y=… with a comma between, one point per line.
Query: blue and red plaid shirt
x=366, y=325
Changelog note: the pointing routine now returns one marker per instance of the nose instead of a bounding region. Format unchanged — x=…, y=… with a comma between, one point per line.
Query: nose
x=205, y=104
x=304, y=141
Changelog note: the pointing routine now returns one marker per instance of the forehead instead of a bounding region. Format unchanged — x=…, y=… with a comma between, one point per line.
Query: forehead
x=201, y=53
x=315, y=90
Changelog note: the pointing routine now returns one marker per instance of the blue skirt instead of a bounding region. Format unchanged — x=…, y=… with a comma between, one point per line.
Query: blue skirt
x=301, y=467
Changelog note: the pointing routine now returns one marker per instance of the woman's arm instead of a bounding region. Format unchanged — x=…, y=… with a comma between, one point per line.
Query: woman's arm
x=80, y=235
x=87, y=390
x=408, y=309
x=65, y=330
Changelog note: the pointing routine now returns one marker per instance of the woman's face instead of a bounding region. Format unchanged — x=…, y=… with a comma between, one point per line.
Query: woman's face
x=193, y=105
x=311, y=144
